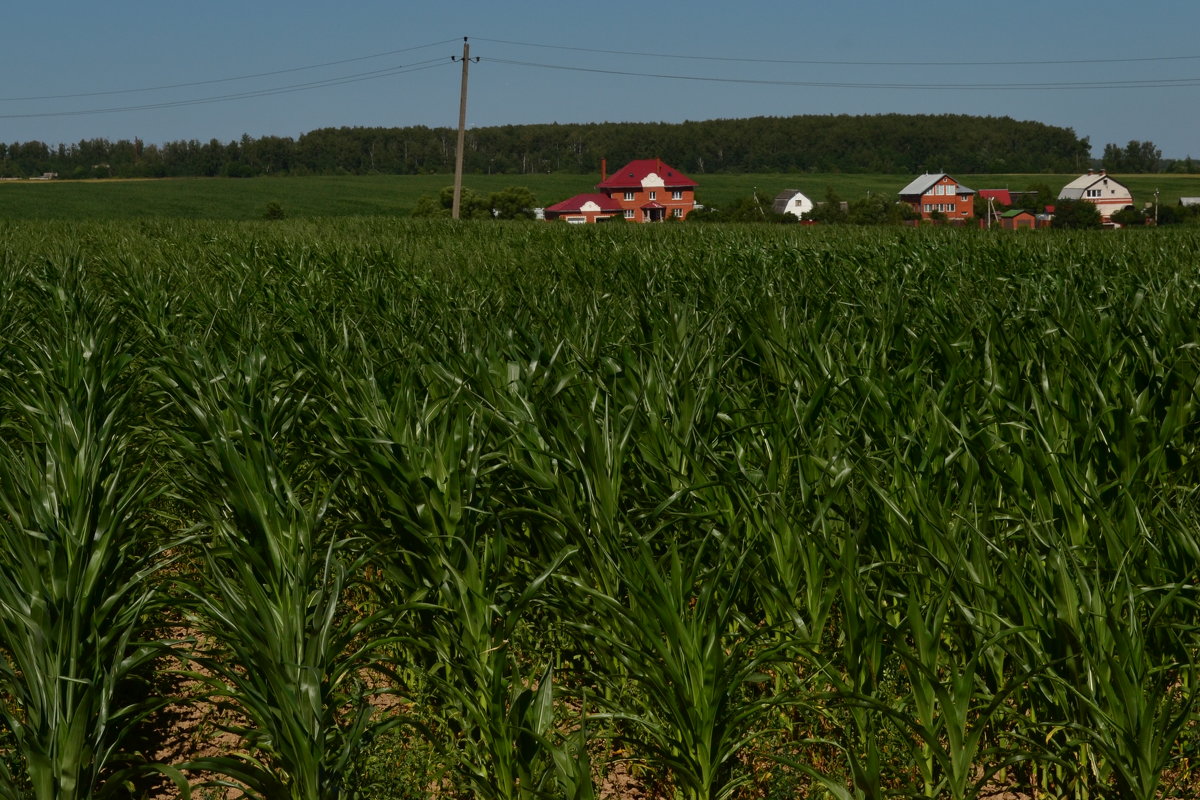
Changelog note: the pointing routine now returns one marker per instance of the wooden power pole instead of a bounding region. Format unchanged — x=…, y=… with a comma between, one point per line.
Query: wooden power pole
x=456, y=209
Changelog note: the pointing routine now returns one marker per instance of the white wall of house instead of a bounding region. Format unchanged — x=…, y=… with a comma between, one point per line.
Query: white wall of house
x=797, y=205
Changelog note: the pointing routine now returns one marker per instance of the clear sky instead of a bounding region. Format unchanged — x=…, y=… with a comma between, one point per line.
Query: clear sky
x=168, y=70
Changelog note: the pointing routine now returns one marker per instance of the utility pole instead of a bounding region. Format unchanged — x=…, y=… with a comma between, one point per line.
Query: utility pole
x=455, y=210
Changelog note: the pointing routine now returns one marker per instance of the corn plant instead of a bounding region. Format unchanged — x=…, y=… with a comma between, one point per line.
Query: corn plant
x=79, y=556
x=694, y=662
x=275, y=639
x=894, y=510
x=452, y=576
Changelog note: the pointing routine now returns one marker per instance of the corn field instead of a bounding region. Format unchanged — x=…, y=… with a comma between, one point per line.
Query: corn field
x=374, y=509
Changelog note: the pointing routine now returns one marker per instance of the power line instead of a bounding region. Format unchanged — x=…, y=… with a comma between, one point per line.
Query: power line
x=1057, y=85
x=299, y=87
x=817, y=62
x=231, y=79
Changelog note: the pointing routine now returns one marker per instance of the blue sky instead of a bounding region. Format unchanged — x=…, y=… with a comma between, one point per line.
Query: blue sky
x=731, y=60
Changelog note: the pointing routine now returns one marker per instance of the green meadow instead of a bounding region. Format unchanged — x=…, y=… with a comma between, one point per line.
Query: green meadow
x=395, y=195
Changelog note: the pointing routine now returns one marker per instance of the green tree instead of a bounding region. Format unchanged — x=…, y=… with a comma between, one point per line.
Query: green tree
x=1042, y=197
x=1113, y=158
x=1142, y=156
x=472, y=205
x=1128, y=216
x=512, y=202
x=1076, y=214
x=829, y=211
x=752, y=208
x=878, y=210
x=1136, y=156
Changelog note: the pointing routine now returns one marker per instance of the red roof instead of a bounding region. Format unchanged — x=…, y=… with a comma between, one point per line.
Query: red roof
x=652, y=205
x=1001, y=196
x=576, y=203
x=633, y=173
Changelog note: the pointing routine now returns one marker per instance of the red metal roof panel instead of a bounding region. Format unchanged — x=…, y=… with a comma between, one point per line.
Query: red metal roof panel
x=633, y=173
x=577, y=202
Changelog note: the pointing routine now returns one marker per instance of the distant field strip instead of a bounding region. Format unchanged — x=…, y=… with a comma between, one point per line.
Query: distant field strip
x=395, y=195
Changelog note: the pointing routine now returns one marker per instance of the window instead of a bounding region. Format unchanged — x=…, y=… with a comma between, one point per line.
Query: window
x=677, y=213
x=927, y=208
x=629, y=195
x=629, y=213
x=677, y=194
x=653, y=195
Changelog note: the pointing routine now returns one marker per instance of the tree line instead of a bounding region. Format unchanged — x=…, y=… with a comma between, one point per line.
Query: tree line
x=881, y=143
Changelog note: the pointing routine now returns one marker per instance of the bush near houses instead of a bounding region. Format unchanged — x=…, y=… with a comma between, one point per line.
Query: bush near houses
x=513, y=202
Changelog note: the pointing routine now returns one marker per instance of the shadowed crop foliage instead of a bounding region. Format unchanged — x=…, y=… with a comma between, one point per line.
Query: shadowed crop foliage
x=530, y=511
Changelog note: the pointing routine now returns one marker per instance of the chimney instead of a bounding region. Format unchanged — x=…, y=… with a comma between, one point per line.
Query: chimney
x=603, y=170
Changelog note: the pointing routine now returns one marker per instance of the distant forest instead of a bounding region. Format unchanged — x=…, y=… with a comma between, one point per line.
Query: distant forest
x=884, y=143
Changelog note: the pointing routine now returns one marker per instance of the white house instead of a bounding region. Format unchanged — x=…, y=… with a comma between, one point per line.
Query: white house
x=791, y=201
x=1105, y=192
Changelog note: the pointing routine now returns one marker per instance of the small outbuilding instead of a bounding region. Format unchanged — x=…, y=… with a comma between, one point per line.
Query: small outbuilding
x=1018, y=219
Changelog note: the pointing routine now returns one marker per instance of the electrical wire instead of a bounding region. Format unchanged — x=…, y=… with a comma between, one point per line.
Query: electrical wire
x=430, y=63
x=1058, y=85
x=250, y=76
x=299, y=87
x=816, y=62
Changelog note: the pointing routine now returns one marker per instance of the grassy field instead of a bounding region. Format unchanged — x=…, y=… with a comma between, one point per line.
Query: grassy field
x=389, y=195
x=497, y=510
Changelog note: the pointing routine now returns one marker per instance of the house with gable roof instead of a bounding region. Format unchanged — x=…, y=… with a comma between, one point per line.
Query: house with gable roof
x=1106, y=193
x=591, y=207
x=792, y=201
x=650, y=190
x=939, y=193
x=645, y=190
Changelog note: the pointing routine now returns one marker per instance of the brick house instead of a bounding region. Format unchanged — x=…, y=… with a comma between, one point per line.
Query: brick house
x=645, y=190
x=942, y=194
x=650, y=191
